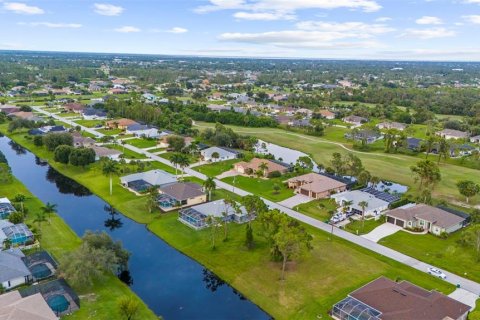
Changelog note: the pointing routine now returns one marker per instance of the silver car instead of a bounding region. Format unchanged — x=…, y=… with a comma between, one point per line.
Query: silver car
x=437, y=273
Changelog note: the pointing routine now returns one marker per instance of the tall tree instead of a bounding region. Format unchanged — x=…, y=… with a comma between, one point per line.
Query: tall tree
x=468, y=189
x=49, y=208
x=209, y=185
x=363, y=205
x=427, y=172
x=109, y=168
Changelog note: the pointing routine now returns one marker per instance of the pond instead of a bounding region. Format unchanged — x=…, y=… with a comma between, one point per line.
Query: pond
x=171, y=284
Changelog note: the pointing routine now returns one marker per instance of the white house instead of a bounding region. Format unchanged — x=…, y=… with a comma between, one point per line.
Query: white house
x=140, y=130
x=374, y=208
x=140, y=182
x=475, y=139
x=13, y=271
x=101, y=152
x=452, y=134
x=223, y=154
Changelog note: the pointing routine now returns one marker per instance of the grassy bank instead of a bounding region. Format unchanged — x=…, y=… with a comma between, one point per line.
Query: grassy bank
x=313, y=284
x=99, y=302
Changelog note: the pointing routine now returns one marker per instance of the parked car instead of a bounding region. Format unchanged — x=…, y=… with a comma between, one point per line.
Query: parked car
x=437, y=273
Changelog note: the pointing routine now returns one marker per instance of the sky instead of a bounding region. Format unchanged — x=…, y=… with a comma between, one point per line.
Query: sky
x=333, y=29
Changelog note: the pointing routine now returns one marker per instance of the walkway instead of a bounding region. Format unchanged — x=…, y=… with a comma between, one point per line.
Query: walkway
x=454, y=279
x=382, y=231
x=464, y=296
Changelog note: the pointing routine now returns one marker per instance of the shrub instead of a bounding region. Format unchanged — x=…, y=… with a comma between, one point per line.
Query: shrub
x=274, y=174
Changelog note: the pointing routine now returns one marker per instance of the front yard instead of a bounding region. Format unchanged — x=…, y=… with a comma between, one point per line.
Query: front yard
x=318, y=209
x=89, y=123
x=355, y=226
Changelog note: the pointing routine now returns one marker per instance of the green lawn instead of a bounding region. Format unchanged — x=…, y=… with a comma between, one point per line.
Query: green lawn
x=69, y=114
x=394, y=167
x=313, y=284
x=318, y=209
x=355, y=226
x=110, y=132
x=89, y=123
x=443, y=253
x=129, y=154
x=168, y=156
x=216, y=168
x=99, y=302
x=142, y=143
x=156, y=150
x=262, y=187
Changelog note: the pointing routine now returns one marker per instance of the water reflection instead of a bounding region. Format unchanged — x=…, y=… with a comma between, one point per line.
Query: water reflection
x=19, y=150
x=212, y=281
x=66, y=185
x=40, y=162
x=112, y=222
x=126, y=277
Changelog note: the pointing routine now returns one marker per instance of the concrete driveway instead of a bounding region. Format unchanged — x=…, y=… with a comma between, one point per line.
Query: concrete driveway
x=465, y=297
x=382, y=231
x=295, y=201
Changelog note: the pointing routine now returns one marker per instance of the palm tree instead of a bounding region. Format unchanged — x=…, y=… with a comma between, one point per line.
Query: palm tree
x=264, y=167
x=175, y=160
x=374, y=180
x=443, y=148
x=363, y=205
x=109, y=168
x=209, y=185
x=49, y=208
x=213, y=223
x=7, y=243
x=184, y=162
x=152, y=198
x=346, y=205
x=215, y=156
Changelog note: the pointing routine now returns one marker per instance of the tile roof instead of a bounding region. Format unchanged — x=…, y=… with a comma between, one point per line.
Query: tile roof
x=182, y=190
x=436, y=216
x=34, y=307
x=316, y=182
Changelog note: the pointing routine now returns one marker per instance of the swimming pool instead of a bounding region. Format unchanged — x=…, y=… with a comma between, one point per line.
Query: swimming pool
x=40, y=271
x=58, y=303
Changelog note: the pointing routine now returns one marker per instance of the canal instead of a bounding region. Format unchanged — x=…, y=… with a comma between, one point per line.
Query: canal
x=170, y=283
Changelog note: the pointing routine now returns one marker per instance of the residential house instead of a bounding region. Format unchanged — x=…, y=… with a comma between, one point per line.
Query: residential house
x=475, y=139
x=355, y=120
x=255, y=164
x=101, y=152
x=13, y=271
x=392, y=125
x=117, y=91
x=141, y=130
x=327, y=114
x=149, y=98
x=30, y=116
x=47, y=129
x=300, y=123
x=74, y=107
x=432, y=219
x=452, y=134
x=120, y=123
x=8, y=109
x=223, y=154
x=140, y=182
x=180, y=194
x=196, y=217
x=315, y=185
x=34, y=307
x=6, y=208
x=281, y=119
x=80, y=141
x=369, y=136
x=384, y=299
x=18, y=235
x=375, y=205
x=94, y=114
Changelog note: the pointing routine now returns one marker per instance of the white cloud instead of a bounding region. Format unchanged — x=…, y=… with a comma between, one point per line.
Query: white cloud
x=52, y=25
x=177, y=30
x=472, y=19
x=383, y=19
x=127, y=29
x=106, y=9
x=429, y=20
x=283, y=9
x=430, y=33
x=472, y=1
x=316, y=35
x=22, y=8
x=264, y=16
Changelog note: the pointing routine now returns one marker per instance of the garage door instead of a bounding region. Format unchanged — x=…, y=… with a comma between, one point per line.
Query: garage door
x=305, y=192
x=400, y=223
x=391, y=220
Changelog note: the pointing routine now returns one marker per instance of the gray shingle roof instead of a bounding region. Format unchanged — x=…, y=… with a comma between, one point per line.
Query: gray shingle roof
x=12, y=265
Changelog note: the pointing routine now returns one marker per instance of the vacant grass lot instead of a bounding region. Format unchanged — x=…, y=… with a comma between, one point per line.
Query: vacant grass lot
x=313, y=284
x=142, y=143
x=262, y=187
x=110, y=132
x=168, y=156
x=99, y=302
x=443, y=253
x=318, y=209
x=386, y=166
x=129, y=154
x=90, y=123
x=216, y=168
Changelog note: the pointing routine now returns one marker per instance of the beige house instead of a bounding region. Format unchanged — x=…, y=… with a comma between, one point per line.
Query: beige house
x=120, y=123
x=80, y=141
x=34, y=307
x=315, y=185
x=392, y=125
x=255, y=165
x=327, y=114
x=180, y=194
x=452, y=134
x=431, y=219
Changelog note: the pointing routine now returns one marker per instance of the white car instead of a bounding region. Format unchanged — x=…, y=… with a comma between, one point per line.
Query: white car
x=437, y=273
